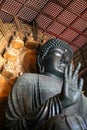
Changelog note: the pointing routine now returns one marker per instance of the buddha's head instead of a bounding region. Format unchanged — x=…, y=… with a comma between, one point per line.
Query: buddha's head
x=53, y=57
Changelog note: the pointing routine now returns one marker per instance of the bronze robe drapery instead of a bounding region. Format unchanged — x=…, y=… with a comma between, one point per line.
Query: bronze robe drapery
x=34, y=100
x=28, y=103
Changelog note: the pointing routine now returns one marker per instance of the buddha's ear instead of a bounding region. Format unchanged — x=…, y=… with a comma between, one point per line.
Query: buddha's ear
x=40, y=68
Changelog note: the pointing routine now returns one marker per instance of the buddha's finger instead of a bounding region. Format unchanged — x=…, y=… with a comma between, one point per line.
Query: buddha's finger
x=66, y=72
x=70, y=71
x=76, y=71
x=80, y=84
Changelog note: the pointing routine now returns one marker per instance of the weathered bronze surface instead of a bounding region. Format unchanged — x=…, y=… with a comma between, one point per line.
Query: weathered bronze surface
x=51, y=99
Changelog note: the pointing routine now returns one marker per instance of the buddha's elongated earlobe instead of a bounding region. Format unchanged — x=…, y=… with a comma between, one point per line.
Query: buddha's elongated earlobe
x=42, y=69
x=39, y=67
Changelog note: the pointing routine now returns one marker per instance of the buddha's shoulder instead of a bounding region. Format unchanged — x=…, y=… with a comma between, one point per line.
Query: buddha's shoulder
x=28, y=75
x=33, y=77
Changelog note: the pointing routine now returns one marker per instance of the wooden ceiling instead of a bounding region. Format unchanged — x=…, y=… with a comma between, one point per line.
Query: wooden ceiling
x=65, y=19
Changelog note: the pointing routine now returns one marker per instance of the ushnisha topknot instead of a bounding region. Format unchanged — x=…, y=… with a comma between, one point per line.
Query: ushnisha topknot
x=43, y=50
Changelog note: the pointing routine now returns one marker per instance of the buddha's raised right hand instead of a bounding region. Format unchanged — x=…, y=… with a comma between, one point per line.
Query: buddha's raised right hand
x=72, y=87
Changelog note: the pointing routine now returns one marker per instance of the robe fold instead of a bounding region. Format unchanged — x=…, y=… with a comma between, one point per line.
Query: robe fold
x=34, y=100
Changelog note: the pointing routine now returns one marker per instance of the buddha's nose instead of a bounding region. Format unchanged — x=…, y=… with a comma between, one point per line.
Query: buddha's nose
x=64, y=59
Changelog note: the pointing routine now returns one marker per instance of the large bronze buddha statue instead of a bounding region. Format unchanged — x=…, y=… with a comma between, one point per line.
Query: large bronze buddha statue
x=36, y=101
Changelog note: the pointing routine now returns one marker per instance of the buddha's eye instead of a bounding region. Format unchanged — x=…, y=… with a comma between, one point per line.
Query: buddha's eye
x=58, y=54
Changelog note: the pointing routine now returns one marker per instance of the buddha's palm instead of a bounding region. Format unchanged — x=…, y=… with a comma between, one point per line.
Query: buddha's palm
x=72, y=87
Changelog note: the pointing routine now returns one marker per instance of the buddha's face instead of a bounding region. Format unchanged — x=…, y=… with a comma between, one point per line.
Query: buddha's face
x=55, y=61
